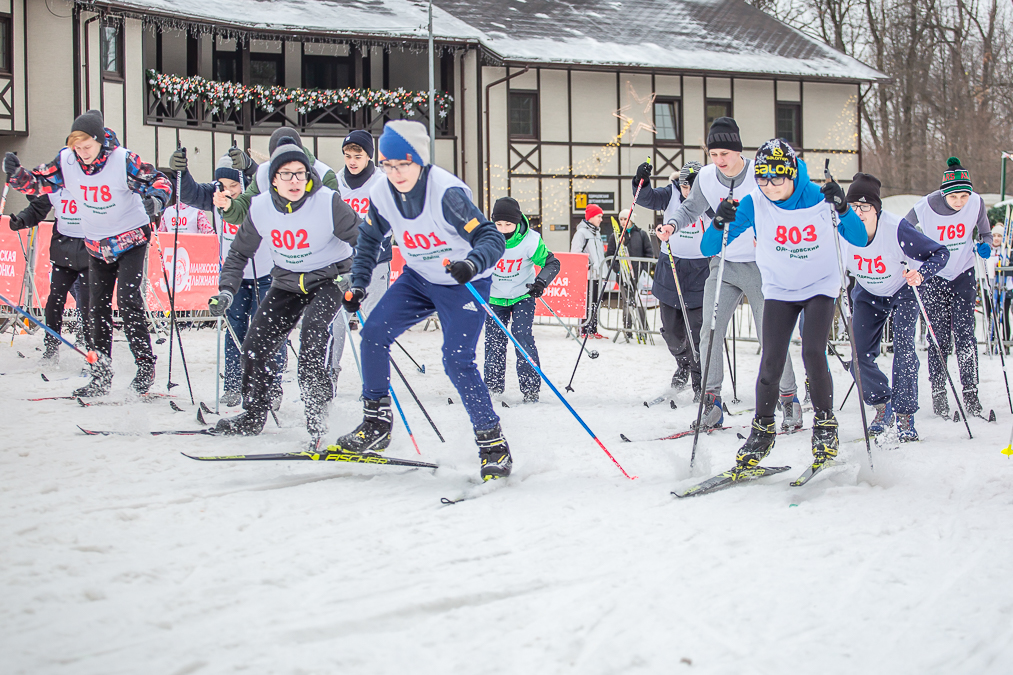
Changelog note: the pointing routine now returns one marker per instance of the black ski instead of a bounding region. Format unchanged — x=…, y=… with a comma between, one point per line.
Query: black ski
x=733, y=476
x=657, y=401
x=814, y=469
x=171, y=432
x=329, y=455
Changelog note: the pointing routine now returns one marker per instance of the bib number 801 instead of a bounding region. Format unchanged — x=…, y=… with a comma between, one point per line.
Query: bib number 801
x=794, y=235
x=422, y=241
x=287, y=240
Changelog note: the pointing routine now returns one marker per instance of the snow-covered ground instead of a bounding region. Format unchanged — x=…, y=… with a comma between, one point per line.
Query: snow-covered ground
x=119, y=555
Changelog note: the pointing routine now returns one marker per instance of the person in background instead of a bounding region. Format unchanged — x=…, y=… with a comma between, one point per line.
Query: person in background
x=587, y=239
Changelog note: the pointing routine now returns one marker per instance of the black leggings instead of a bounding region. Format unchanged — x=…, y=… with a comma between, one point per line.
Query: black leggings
x=60, y=282
x=126, y=273
x=779, y=319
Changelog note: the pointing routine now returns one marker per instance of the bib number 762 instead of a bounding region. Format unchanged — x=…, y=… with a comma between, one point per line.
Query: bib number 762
x=794, y=235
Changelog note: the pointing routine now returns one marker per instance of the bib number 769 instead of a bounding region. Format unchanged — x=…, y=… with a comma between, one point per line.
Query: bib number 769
x=951, y=231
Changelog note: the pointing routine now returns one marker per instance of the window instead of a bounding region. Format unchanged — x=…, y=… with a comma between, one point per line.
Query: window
x=523, y=115
x=666, y=121
x=716, y=109
x=111, y=48
x=788, y=124
x=6, y=56
x=267, y=70
x=327, y=72
x=226, y=67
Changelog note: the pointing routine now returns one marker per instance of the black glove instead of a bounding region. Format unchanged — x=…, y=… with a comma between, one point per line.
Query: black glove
x=536, y=289
x=177, y=160
x=11, y=163
x=217, y=304
x=834, y=195
x=16, y=224
x=153, y=207
x=462, y=270
x=644, y=172
x=353, y=298
x=240, y=160
x=726, y=213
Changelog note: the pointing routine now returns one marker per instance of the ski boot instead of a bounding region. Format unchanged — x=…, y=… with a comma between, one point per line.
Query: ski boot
x=792, y=410
x=972, y=406
x=713, y=414
x=276, y=394
x=101, y=379
x=144, y=378
x=680, y=379
x=51, y=357
x=373, y=435
x=906, y=431
x=531, y=397
x=758, y=445
x=230, y=399
x=939, y=404
x=317, y=414
x=825, y=441
x=883, y=419
x=248, y=423
x=494, y=453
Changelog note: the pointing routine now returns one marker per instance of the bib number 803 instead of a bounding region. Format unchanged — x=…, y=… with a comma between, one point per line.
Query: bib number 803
x=794, y=235
x=287, y=240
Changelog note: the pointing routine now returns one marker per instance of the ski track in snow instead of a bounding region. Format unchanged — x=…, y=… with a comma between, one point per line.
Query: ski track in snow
x=118, y=555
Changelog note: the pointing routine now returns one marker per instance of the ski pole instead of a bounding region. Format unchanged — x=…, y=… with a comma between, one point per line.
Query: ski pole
x=995, y=327
x=422, y=368
x=91, y=356
x=939, y=352
x=601, y=295
x=172, y=316
x=593, y=353
x=531, y=362
x=218, y=342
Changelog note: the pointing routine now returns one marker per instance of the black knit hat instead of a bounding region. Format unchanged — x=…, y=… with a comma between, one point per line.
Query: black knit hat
x=361, y=138
x=956, y=178
x=865, y=189
x=287, y=151
x=92, y=124
x=507, y=208
x=724, y=133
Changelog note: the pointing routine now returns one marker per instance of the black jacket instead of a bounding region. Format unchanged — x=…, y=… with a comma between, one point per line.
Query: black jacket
x=638, y=244
x=63, y=251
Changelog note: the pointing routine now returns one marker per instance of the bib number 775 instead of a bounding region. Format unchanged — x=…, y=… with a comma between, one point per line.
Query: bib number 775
x=871, y=264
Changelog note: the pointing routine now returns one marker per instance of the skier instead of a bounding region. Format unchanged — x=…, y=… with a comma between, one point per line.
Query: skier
x=118, y=197
x=587, y=239
x=636, y=244
x=1001, y=285
x=69, y=259
x=256, y=276
x=741, y=275
x=682, y=247
x=311, y=233
x=797, y=257
x=354, y=183
x=431, y=214
x=191, y=220
x=883, y=288
x=514, y=289
x=954, y=213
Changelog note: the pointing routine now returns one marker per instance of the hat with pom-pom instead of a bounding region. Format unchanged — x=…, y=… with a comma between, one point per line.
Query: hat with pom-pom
x=955, y=178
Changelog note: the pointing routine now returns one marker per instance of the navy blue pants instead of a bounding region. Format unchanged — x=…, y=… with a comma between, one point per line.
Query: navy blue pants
x=871, y=314
x=950, y=306
x=239, y=314
x=496, y=342
x=411, y=299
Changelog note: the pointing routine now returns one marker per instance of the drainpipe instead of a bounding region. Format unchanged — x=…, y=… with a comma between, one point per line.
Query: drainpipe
x=488, y=148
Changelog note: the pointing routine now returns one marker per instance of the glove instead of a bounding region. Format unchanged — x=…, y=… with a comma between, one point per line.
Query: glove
x=644, y=172
x=353, y=298
x=240, y=160
x=177, y=160
x=16, y=224
x=536, y=289
x=834, y=195
x=217, y=304
x=984, y=250
x=462, y=270
x=153, y=207
x=726, y=213
x=11, y=163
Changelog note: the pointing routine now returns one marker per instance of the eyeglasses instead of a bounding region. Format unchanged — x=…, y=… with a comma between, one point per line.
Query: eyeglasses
x=297, y=176
x=776, y=181
x=391, y=167
x=864, y=208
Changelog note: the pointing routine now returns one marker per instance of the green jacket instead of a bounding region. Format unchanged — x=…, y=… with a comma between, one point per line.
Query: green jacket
x=236, y=213
x=542, y=257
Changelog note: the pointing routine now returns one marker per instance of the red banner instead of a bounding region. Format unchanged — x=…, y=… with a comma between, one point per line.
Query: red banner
x=196, y=270
x=12, y=260
x=567, y=294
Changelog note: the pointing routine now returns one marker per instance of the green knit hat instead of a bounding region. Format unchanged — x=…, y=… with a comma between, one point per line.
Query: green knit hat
x=955, y=178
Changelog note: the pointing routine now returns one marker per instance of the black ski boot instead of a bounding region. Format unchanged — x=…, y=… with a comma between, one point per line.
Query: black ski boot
x=825, y=441
x=51, y=357
x=316, y=419
x=759, y=444
x=972, y=406
x=373, y=435
x=494, y=452
x=144, y=378
x=680, y=379
x=531, y=397
x=248, y=423
x=101, y=379
x=939, y=404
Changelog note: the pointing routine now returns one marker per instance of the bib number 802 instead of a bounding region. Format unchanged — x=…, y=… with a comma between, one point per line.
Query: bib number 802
x=794, y=235
x=287, y=240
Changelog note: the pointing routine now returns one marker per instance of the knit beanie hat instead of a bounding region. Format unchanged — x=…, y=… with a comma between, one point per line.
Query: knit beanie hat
x=688, y=173
x=956, y=178
x=91, y=123
x=865, y=190
x=224, y=169
x=405, y=140
x=280, y=133
x=506, y=208
x=724, y=133
x=287, y=151
x=361, y=138
x=591, y=211
x=776, y=158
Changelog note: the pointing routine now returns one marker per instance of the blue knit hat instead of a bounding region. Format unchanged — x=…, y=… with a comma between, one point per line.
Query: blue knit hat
x=405, y=140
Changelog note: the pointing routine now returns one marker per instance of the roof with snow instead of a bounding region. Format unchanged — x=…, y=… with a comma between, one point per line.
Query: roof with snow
x=712, y=36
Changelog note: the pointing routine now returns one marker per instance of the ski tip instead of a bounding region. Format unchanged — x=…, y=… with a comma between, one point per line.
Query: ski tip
x=200, y=417
x=625, y=440
x=22, y=355
x=205, y=408
x=81, y=402
x=991, y=416
x=450, y=401
x=44, y=378
x=724, y=407
x=176, y=408
x=672, y=404
x=504, y=404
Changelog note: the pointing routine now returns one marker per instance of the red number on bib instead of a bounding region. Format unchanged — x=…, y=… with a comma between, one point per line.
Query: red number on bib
x=782, y=235
x=289, y=239
x=106, y=195
x=436, y=240
x=951, y=231
x=231, y=229
x=303, y=235
x=408, y=241
x=880, y=265
x=276, y=239
x=69, y=206
x=810, y=232
x=858, y=259
x=795, y=235
x=423, y=241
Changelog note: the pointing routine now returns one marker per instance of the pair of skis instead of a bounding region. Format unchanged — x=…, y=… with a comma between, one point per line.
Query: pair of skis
x=738, y=475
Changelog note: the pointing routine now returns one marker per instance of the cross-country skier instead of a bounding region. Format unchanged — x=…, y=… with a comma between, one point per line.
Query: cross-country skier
x=256, y=275
x=953, y=214
x=741, y=277
x=587, y=239
x=430, y=213
x=69, y=258
x=118, y=197
x=797, y=257
x=515, y=285
x=693, y=268
x=883, y=289
x=311, y=233
x=191, y=220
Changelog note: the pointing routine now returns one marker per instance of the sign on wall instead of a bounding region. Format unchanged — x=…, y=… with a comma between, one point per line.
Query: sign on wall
x=606, y=200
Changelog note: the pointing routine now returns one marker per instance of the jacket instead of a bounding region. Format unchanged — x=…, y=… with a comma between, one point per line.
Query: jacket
x=587, y=239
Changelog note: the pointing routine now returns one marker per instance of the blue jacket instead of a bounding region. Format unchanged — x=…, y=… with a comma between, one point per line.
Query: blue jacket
x=806, y=195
